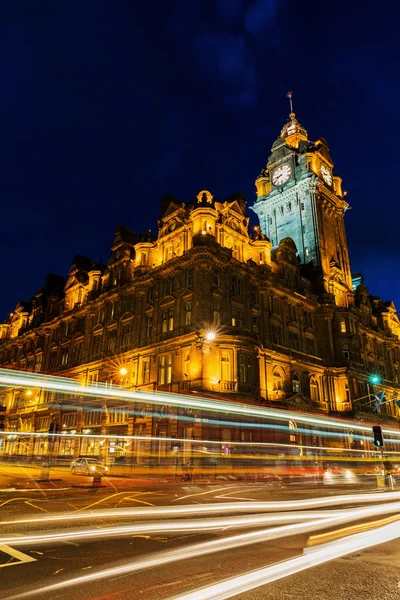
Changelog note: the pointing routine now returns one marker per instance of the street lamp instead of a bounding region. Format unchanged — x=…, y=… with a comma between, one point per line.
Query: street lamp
x=210, y=336
x=123, y=371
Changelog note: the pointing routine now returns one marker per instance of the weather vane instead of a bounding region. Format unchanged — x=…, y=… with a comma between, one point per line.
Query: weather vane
x=290, y=96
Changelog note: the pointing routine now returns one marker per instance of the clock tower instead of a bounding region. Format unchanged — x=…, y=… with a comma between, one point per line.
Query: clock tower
x=300, y=197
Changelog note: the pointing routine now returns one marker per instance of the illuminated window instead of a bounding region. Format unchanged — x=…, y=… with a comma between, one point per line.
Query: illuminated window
x=296, y=385
x=225, y=366
x=165, y=369
x=216, y=314
x=277, y=380
x=64, y=355
x=343, y=326
x=146, y=371
x=314, y=390
x=167, y=320
x=188, y=313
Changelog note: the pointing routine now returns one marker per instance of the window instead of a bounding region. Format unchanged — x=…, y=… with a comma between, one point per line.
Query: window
x=168, y=286
x=189, y=278
x=165, y=369
x=255, y=324
x=110, y=310
x=314, y=390
x=277, y=380
x=294, y=340
x=146, y=371
x=150, y=294
x=167, y=320
x=77, y=351
x=296, y=384
x=310, y=346
x=188, y=313
x=244, y=368
x=236, y=286
x=276, y=334
x=216, y=314
x=216, y=278
x=64, y=355
x=38, y=365
x=97, y=344
x=345, y=352
x=237, y=320
x=112, y=340
x=347, y=392
x=53, y=359
x=149, y=325
x=343, y=326
x=127, y=333
x=225, y=366
x=92, y=417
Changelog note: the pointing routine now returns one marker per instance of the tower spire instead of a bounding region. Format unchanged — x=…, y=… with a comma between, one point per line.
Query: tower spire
x=290, y=96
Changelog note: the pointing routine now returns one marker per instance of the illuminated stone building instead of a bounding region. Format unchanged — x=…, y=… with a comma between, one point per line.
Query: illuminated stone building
x=289, y=325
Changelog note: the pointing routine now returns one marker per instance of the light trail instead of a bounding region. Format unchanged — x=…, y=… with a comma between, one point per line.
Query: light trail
x=222, y=507
x=202, y=442
x=249, y=581
x=51, y=383
x=203, y=548
x=197, y=525
x=177, y=526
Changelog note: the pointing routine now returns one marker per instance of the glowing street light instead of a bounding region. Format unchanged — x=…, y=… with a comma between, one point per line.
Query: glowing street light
x=375, y=379
x=123, y=371
x=29, y=392
x=210, y=336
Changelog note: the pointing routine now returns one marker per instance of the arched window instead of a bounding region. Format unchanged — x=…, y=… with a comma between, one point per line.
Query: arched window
x=314, y=390
x=277, y=380
x=296, y=384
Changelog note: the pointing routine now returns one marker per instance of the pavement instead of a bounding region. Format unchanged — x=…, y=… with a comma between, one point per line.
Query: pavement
x=29, y=568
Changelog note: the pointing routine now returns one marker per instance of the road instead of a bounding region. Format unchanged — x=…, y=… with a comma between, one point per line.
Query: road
x=180, y=560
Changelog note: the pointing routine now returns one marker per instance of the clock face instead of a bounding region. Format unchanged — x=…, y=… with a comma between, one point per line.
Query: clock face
x=281, y=174
x=172, y=226
x=326, y=174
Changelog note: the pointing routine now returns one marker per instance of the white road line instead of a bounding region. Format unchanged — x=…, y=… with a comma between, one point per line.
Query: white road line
x=22, y=558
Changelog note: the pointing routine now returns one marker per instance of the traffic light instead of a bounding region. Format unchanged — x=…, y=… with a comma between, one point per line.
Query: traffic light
x=378, y=436
x=2, y=416
x=375, y=379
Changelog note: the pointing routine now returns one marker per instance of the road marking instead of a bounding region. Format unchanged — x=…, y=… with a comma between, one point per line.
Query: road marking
x=38, y=507
x=22, y=558
x=135, y=500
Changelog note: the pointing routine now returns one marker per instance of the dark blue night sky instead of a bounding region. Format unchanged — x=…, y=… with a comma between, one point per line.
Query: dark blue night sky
x=107, y=105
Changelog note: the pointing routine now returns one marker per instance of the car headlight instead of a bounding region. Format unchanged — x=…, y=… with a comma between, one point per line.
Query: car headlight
x=106, y=468
x=348, y=474
x=92, y=468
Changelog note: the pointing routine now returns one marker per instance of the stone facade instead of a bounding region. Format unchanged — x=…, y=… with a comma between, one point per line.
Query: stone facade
x=289, y=326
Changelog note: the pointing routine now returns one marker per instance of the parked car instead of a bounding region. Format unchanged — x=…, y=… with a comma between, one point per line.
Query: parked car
x=88, y=466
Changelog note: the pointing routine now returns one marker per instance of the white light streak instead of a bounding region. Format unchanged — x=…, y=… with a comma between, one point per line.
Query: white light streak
x=249, y=581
